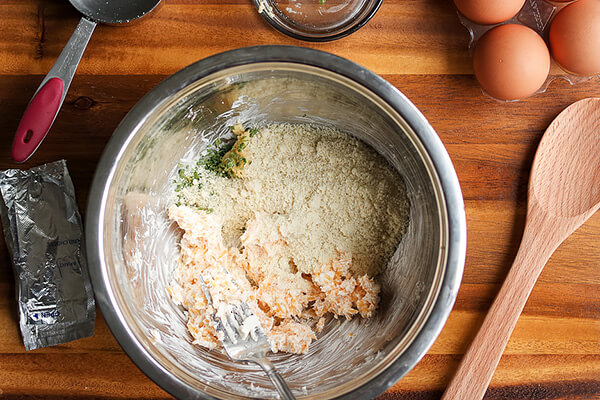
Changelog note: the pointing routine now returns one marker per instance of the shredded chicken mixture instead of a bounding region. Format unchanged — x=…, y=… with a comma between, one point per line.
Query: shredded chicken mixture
x=285, y=305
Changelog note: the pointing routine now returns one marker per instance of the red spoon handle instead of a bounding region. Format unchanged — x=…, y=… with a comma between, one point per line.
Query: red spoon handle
x=46, y=102
x=38, y=119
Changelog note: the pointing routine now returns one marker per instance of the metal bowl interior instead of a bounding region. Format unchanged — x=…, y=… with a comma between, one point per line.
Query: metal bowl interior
x=316, y=21
x=133, y=247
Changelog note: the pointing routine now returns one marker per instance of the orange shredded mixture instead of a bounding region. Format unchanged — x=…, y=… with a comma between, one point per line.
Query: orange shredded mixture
x=286, y=302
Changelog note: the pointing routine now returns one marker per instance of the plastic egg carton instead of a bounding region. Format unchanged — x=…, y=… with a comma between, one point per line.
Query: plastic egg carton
x=537, y=15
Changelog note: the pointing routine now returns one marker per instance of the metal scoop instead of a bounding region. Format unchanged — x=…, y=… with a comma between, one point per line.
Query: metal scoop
x=45, y=104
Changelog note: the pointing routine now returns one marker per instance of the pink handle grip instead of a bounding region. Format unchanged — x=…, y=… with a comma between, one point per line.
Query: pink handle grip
x=38, y=119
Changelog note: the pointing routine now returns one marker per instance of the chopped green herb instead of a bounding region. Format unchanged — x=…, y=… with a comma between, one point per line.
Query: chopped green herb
x=230, y=163
x=226, y=160
x=213, y=159
x=321, y=1
x=222, y=158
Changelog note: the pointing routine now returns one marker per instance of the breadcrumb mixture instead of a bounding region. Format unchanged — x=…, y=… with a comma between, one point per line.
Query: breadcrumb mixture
x=300, y=234
x=324, y=190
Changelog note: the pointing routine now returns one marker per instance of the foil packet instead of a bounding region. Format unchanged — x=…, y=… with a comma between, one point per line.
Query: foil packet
x=44, y=234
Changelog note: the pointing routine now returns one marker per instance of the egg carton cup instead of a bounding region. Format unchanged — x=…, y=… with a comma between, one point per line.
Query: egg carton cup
x=537, y=15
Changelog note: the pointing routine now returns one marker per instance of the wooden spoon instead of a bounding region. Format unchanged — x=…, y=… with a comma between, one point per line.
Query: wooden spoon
x=564, y=191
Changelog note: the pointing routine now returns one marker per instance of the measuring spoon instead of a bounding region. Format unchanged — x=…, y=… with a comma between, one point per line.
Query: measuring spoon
x=45, y=104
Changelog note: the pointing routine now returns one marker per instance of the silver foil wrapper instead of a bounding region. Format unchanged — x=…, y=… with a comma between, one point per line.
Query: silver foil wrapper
x=44, y=234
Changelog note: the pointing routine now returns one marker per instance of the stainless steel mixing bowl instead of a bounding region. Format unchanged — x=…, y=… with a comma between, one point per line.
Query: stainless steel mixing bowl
x=132, y=247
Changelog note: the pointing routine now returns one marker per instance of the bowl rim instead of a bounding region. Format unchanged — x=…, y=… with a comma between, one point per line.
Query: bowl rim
x=325, y=38
x=448, y=179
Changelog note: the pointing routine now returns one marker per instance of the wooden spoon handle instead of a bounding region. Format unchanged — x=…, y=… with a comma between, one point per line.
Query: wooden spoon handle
x=477, y=367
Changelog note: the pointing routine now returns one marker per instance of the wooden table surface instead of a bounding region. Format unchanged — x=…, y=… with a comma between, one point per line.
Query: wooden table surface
x=417, y=45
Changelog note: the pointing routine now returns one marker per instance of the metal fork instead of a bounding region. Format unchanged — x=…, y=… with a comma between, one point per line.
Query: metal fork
x=244, y=344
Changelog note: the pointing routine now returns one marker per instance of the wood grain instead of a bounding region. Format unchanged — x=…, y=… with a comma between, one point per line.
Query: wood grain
x=397, y=39
x=562, y=196
x=406, y=36
x=417, y=45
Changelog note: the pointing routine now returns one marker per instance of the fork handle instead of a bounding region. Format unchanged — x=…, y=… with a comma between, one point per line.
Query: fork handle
x=282, y=388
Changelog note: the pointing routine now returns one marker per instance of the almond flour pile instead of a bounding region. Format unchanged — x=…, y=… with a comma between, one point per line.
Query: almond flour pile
x=296, y=221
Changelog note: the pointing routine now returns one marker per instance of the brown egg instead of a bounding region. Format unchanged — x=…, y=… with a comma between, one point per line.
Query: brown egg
x=511, y=62
x=489, y=12
x=575, y=37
